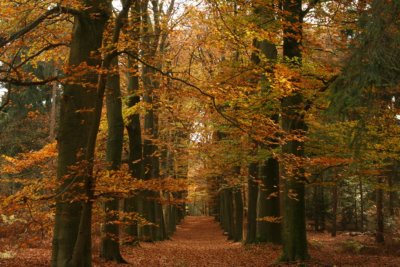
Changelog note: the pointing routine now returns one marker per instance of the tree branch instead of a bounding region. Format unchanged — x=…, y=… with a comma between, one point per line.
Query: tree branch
x=27, y=83
x=201, y=91
x=310, y=6
x=38, y=53
x=55, y=10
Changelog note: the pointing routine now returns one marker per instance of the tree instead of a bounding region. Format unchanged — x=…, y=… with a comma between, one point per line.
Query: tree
x=72, y=232
x=79, y=122
x=293, y=112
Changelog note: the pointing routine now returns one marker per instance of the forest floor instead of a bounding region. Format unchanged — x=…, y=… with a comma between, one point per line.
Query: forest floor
x=200, y=242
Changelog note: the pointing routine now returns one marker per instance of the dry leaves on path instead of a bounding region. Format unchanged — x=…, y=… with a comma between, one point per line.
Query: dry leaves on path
x=200, y=242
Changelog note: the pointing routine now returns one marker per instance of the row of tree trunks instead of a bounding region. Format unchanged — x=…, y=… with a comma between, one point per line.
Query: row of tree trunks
x=77, y=137
x=231, y=212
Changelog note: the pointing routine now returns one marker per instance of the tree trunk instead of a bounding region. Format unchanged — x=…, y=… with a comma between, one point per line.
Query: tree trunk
x=229, y=225
x=72, y=232
x=294, y=233
x=238, y=214
x=272, y=226
x=334, y=209
x=319, y=209
x=392, y=177
x=132, y=204
x=268, y=198
x=110, y=241
x=252, y=203
x=149, y=150
x=53, y=111
x=361, y=205
x=379, y=237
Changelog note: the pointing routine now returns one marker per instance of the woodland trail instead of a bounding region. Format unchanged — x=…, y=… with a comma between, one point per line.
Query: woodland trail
x=198, y=241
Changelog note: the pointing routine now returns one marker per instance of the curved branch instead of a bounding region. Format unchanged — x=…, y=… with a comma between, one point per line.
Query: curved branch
x=27, y=83
x=55, y=10
x=38, y=53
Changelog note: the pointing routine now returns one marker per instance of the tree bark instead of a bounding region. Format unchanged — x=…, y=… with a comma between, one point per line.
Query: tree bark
x=273, y=229
x=238, y=214
x=294, y=231
x=361, y=204
x=134, y=129
x=379, y=237
x=72, y=232
x=252, y=203
x=53, y=111
x=110, y=241
x=334, y=209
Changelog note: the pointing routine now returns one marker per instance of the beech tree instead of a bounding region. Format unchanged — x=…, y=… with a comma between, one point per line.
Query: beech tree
x=72, y=233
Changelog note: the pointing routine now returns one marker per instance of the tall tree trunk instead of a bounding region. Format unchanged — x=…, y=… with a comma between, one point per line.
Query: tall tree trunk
x=228, y=219
x=294, y=232
x=334, y=209
x=360, y=184
x=379, y=237
x=391, y=178
x=132, y=203
x=238, y=214
x=268, y=198
x=82, y=108
x=319, y=208
x=252, y=203
x=53, y=111
x=72, y=232
x=110, y=241
x=272, y=226
x=182, y=169
x=222, y=211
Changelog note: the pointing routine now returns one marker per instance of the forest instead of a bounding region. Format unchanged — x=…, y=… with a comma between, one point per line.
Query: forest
x=199, y=133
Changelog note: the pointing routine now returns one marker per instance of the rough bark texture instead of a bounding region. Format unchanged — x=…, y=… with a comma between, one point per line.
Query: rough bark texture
x=72, y=219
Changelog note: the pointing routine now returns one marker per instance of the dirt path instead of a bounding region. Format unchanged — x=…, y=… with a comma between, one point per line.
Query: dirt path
x=198, y=242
